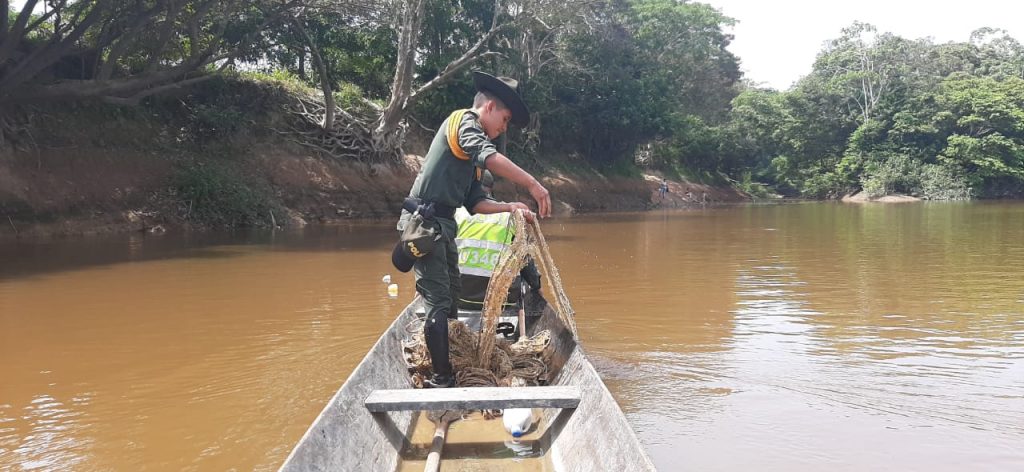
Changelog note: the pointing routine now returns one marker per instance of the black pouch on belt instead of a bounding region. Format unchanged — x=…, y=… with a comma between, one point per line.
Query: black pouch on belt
x=418, y=239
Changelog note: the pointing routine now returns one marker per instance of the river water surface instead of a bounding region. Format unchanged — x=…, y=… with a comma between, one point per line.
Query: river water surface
x=786, y=337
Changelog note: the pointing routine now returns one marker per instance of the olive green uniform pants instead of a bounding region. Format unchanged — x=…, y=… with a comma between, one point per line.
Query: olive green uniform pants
x=438, y=281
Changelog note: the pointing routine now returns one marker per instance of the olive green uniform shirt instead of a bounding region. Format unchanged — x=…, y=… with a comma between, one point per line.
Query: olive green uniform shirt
x=447, y=179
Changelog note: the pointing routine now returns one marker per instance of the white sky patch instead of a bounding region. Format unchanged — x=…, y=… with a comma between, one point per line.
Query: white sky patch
x=777, y=41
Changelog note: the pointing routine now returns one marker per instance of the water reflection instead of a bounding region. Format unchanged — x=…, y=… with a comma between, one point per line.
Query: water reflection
x=186, y=357
x=776, y=337
x=47, y=445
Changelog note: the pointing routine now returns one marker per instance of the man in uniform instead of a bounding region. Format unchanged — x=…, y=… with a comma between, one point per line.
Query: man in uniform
x=461, y=150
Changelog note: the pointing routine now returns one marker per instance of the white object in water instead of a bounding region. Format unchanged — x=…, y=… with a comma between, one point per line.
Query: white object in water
x=393, y=290
x=386, y=279
x=517, y=420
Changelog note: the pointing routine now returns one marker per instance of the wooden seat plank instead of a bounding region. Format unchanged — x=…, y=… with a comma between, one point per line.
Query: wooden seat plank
x=473, y=398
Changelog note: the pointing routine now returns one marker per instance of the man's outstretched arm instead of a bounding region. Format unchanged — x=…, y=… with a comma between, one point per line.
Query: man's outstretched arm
x=504, y=167
x=487, y=207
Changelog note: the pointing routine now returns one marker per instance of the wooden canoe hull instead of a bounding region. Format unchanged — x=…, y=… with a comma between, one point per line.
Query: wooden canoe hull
x=347, y=436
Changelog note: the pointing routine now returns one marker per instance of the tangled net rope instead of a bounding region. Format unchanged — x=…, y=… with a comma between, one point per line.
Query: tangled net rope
x=526, y=360
x=480, y=359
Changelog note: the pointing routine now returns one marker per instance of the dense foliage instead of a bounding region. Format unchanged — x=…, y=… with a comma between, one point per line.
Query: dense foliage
x=603, y=77
x=613, y=84
x=884, y=114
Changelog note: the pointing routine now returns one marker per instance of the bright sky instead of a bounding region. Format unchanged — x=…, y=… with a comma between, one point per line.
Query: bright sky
x=778, y=40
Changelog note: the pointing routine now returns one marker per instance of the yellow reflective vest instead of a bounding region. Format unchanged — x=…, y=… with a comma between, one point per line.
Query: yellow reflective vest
x=481, y=240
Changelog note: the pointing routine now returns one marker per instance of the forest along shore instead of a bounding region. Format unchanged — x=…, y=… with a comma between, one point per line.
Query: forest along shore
x=299, y=115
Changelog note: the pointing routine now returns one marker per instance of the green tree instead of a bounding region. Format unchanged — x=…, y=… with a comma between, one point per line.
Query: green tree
x=986, y=129
x=123, y=50
x=999, y=54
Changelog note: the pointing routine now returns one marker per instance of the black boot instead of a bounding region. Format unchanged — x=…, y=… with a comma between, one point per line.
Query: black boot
x=439, y=381
x=435, y=330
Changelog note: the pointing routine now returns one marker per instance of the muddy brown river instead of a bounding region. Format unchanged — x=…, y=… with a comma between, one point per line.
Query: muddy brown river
x=797, y=337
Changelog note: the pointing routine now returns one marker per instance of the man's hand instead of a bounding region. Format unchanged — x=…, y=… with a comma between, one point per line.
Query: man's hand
x=527, y=213
x=503, y=167
x=540, y=194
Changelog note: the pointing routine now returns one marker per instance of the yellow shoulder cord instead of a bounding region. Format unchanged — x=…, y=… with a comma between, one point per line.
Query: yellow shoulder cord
x=454, y=121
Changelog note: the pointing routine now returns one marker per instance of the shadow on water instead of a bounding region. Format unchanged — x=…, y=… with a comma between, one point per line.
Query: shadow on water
x=30, y=258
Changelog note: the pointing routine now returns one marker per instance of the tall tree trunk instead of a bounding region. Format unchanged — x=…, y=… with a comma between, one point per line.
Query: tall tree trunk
x=5, y=8
x=402, y=94
x=321, y=69
x=401, y=86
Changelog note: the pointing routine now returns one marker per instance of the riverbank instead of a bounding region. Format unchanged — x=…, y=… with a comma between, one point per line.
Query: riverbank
x=99, y=169
x=85, y=190
x=225, y=154
x=863, y=197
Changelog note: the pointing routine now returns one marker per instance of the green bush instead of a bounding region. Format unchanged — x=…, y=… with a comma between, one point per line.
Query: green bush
x=349, y=96
x=823, y=185
x=903, y=174
x=216, y=195
x=828, y=179
x=939, y=182
x=216, y=120
x=892, y=174
x=288, y=80
x=757, y=190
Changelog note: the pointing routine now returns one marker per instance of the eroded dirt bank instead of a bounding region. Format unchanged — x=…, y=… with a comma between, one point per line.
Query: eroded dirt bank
x=82, y=190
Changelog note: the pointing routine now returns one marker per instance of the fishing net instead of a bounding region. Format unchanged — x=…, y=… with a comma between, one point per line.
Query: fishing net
x=481, y=359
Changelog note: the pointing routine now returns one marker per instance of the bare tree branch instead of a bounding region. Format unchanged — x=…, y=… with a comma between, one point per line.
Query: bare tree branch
x=45, y=16
x=178, y=84
x=43, y=57
x=40, y=20
x=467, y=58
x=59, y=31
x=164, y=36
x=449, y=73
x=402, y=95
x=17, y=31
x=113, y=34
x=127, y=38
x=401, y=86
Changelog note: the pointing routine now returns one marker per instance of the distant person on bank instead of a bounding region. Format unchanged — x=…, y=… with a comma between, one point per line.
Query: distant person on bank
x=461, y=150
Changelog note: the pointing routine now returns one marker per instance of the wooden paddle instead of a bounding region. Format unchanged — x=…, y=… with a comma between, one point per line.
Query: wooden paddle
x=442, y=422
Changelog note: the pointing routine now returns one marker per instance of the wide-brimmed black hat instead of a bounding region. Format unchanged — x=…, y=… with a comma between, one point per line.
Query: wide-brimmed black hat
x=401, y=259
x=507, y=90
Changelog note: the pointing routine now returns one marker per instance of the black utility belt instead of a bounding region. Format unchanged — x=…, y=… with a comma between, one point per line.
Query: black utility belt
x=428, y=210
